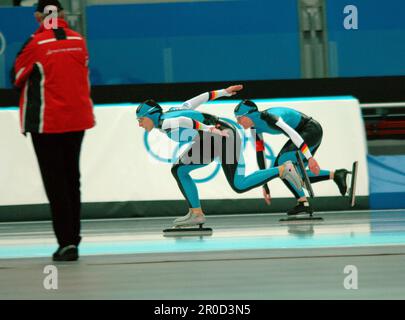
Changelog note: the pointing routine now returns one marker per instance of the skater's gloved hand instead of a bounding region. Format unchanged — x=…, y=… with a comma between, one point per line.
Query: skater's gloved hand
x=313, y=166
x=266, y=194
x=219, y=132
x=232, y=90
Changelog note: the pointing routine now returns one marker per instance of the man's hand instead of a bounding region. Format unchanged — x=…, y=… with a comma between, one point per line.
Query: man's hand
x=232, y=90
x=219, y=132
x=266, y=194
x=313, y=166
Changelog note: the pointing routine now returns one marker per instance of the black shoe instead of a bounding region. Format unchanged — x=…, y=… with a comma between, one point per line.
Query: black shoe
x=68, y=253
x=301, y=207
x=340, y=180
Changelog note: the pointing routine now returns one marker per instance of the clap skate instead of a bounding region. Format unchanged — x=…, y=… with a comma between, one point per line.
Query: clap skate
x=340, y=180
x=187, y=226
x=301, y=212
x=352, y=189
x=305, y=178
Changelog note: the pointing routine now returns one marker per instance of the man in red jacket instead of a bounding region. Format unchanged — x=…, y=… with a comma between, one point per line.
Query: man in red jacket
x=51, y=70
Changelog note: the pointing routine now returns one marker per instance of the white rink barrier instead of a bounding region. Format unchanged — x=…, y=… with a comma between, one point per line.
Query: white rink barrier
x=116, y=165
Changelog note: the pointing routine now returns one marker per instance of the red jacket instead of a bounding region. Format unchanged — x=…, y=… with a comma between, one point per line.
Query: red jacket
x=51, y=71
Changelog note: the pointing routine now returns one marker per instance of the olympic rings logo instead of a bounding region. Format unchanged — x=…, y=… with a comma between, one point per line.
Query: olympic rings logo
x=269, y=154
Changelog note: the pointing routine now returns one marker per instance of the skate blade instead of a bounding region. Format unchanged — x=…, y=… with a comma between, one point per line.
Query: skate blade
x=352, y=189
x=307, y=182
x=301, y=219
x=187, y=232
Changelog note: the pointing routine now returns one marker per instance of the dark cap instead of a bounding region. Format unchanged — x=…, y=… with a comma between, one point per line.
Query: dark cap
x=43, y=3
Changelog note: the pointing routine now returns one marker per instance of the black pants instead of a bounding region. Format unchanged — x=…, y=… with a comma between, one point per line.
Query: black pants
x=312, y=134
x=58, y=158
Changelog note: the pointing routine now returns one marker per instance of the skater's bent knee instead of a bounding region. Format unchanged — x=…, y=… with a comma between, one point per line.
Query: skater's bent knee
x=237, y=190
x=175, y=169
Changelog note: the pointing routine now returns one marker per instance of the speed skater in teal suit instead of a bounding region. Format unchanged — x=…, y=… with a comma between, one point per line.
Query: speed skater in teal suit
x=211, y=138
x=305, y=135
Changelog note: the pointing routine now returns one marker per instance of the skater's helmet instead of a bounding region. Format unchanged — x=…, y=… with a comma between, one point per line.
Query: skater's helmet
x=245, y=108
x=150, y=109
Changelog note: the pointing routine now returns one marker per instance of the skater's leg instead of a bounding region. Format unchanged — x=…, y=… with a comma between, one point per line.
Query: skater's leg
x=199, y=155
x=187, y=186
x=312, y=135
x=233, y=165
x=322, y=176
x=288, y=154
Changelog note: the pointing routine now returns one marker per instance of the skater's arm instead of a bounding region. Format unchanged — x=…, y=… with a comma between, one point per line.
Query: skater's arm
x=195, y=102
x=295, y=138
x=261, y=162
x=278, y=123
x=188, y=123
x=183, y=122
x=300, y=144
